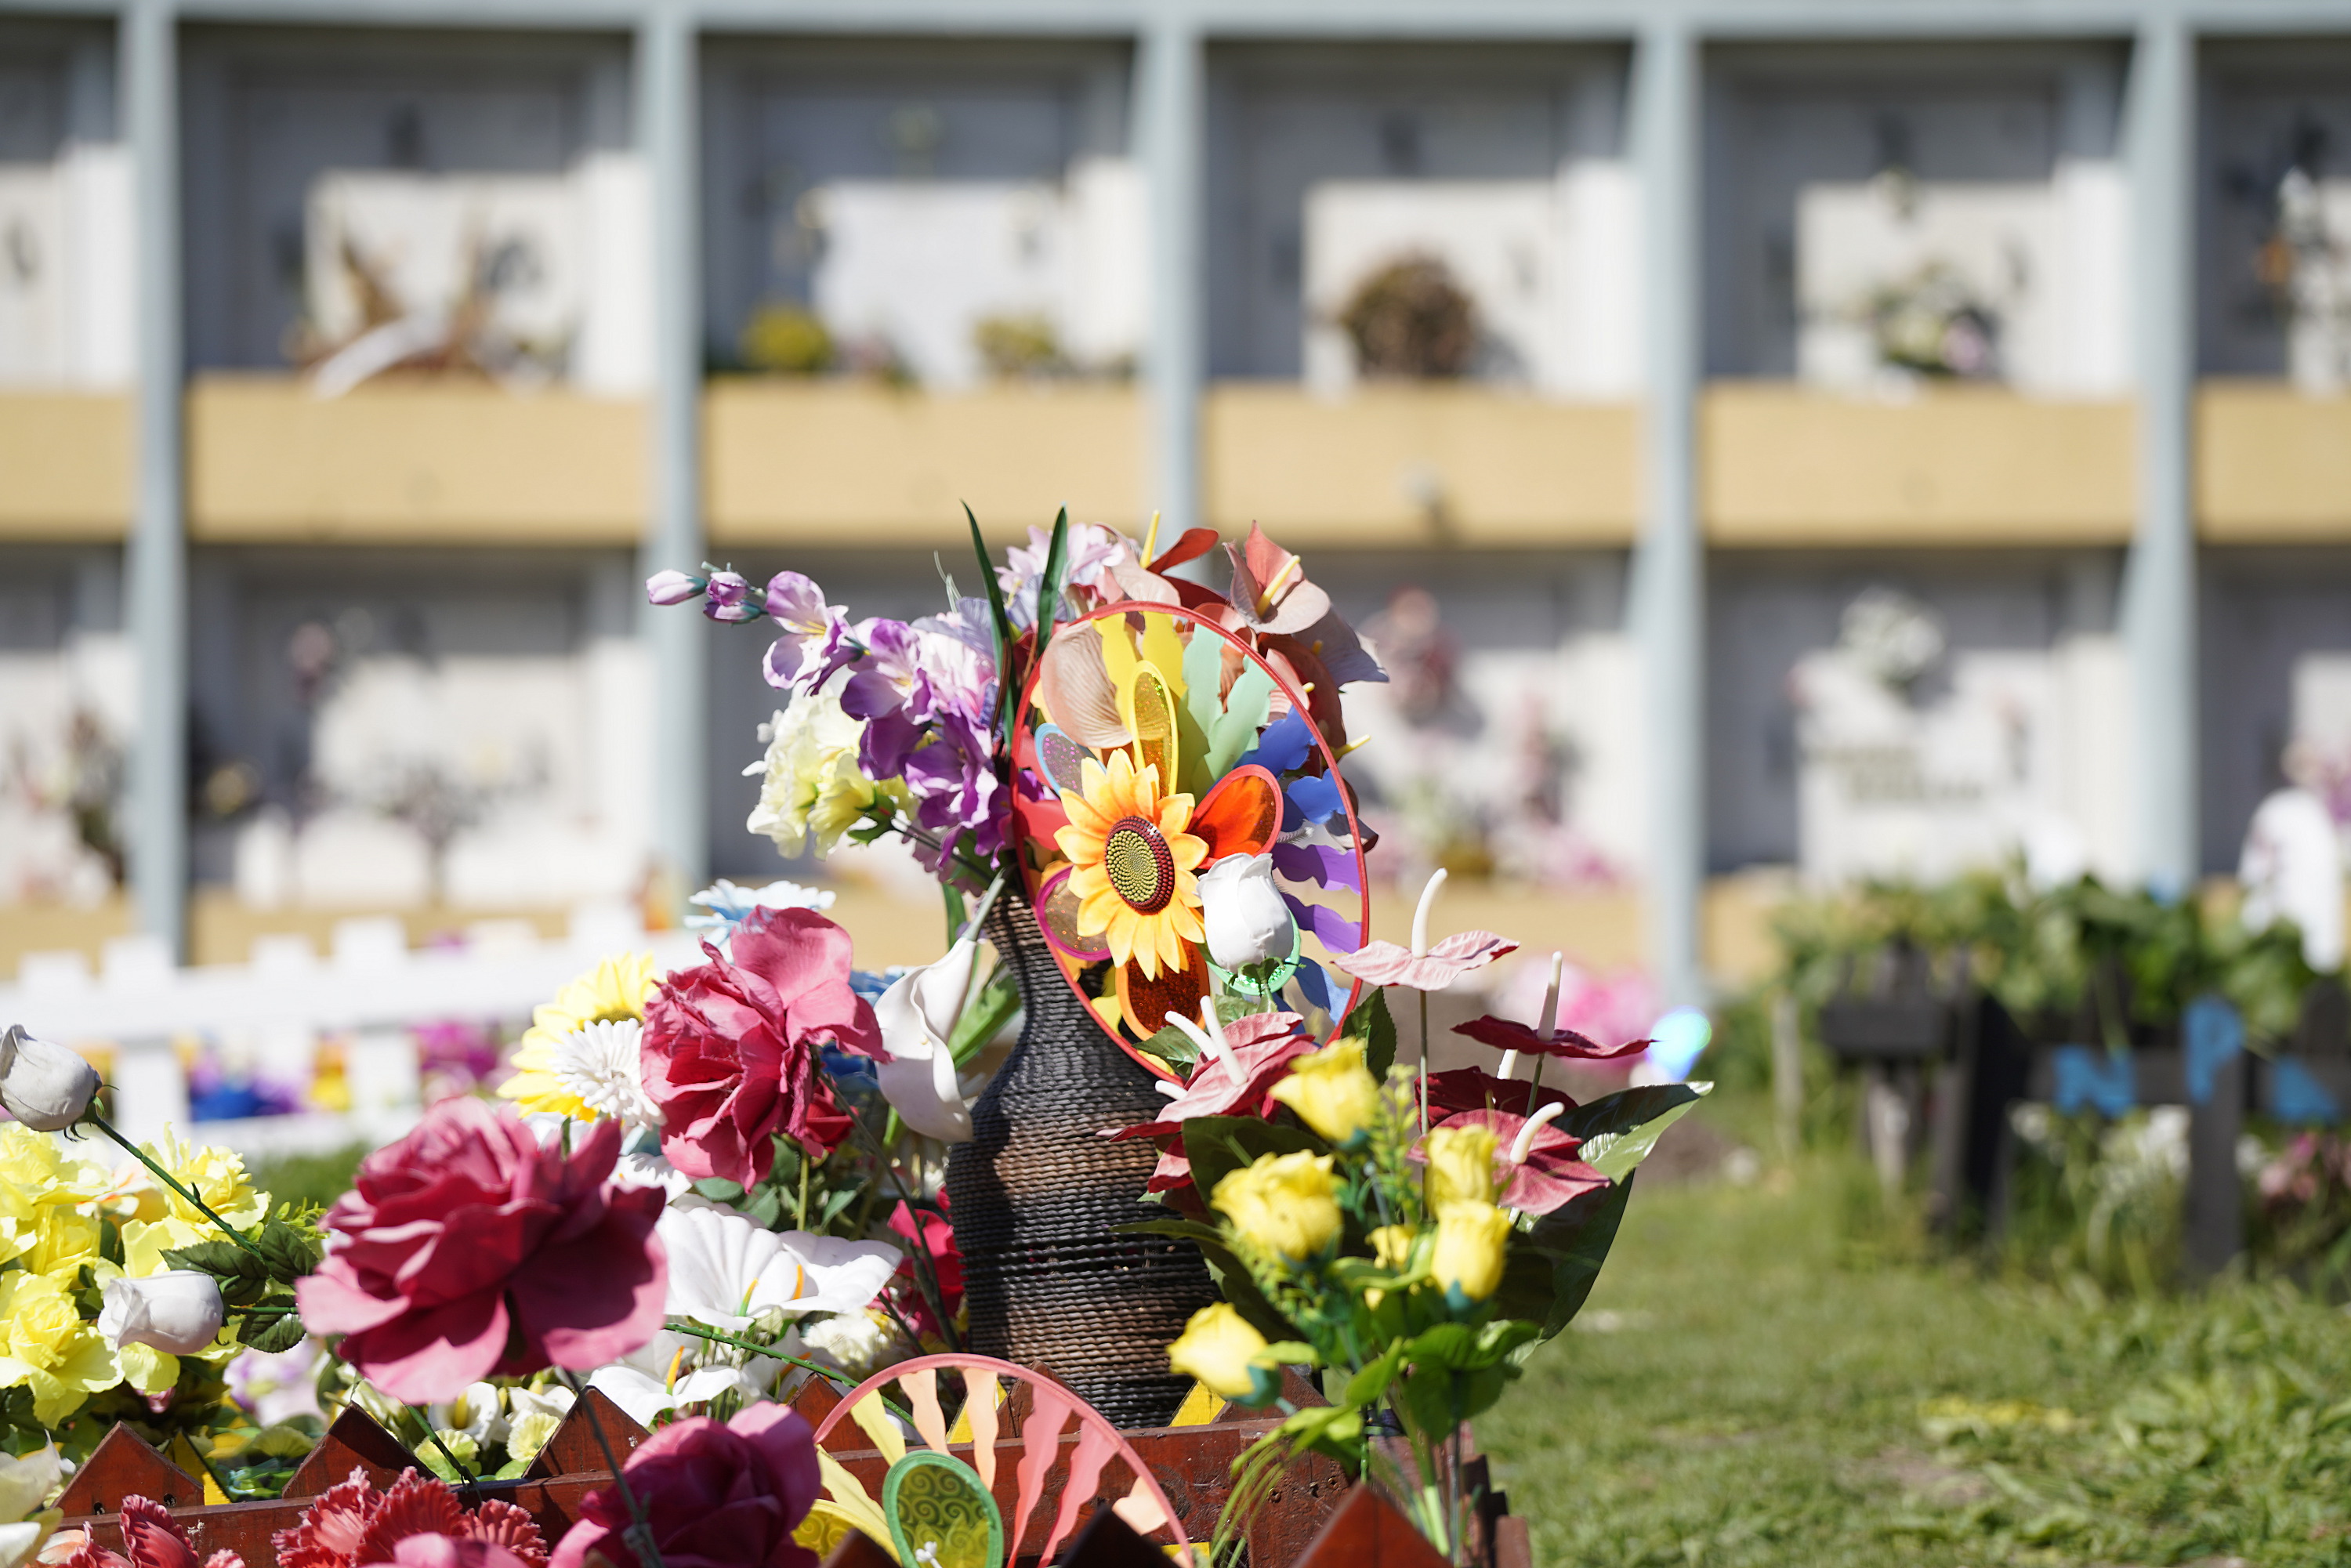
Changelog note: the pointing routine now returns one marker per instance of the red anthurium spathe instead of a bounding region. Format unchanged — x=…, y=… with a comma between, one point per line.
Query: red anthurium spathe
x=468, y=1250
x=1474, y=1089
x=1236, y=1081
x=1534, y=1162
x=1504, y=1034
x=730, y=1046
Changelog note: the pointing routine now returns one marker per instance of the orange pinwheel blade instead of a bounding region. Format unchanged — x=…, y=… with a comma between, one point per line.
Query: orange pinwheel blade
x=1242, y=815
x=1145, y=1004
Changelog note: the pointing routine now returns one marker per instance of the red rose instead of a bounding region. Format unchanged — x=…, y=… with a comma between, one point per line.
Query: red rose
x=467, y=1250
x=730, y=1052
x=714, y=1496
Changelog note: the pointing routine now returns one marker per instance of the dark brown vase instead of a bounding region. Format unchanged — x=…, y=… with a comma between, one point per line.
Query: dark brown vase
x=1035, y=1194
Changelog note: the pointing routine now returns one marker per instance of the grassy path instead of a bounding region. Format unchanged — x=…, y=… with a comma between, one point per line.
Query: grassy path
x=1744, y=1389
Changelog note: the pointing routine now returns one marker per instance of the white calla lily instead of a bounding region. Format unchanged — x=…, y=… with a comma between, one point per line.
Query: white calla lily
x=917, y=1015
x=24, y=1484
x=725, y=1269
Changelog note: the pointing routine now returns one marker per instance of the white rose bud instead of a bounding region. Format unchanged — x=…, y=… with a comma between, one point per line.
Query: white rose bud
x=43, y=1085
x=1247, y=921
x=178, y=1312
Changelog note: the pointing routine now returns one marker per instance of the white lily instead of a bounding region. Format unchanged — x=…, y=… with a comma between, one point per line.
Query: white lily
x=24, y=1483
x=917, y=1014
x=479, y=1412
x=660, y=1377
x=725, y=1269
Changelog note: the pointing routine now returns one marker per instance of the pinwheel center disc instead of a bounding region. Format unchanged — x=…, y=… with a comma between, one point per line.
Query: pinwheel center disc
x=1140, y=865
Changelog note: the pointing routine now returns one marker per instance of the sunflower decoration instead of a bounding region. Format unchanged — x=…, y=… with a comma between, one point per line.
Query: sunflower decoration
x=568, y=1053
x=1133, y=865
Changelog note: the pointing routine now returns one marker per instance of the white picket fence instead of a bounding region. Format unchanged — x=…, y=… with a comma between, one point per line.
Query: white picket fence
x=371, y=990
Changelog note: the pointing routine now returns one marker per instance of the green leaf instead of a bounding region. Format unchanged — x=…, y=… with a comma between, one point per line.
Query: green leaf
x=1048, y=587
x=290, y=1253
x=764, y=1209
x=1218, y=1146
x=1368, y=1385
x=270, y=1335
x=986, y=1017
x=1181, y=1230
x=513, y=1470
x=1201, y=709
x=1551, y=1270
x=1427, y=1399
x=1171, y=1046
x=1288, y=1353
x=718, y=1189
x=1620, y=1129
x=221, y=1259
x=1371, y=1023
x=1001, y=622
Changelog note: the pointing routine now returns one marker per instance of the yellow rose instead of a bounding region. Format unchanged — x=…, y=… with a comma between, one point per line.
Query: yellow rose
x=1392, y=1246
x=1285, y=1203
x=49, y=1348
x=1331, y=1091
x=215, y=1175
x=1460, y=1166
x=1216, y=1347
x=1472, y=1242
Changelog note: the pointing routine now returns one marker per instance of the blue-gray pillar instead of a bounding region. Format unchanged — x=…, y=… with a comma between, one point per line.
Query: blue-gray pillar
x=1169, y=72
x=667, y=120
x=157, y=567
x=1668, y=589
x=2158, y=608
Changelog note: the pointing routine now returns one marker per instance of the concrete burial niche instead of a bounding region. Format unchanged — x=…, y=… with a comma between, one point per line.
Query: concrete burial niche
x=1912, y=715
x=2275, y=655
x=1505, y=166
x=382, y=731
x=1954, y=213
x=337, y=177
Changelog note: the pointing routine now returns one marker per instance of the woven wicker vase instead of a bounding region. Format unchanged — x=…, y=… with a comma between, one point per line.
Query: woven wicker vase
x=1035, y=1193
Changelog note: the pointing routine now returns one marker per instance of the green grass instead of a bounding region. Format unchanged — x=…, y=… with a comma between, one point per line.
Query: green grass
x=1761, y=1379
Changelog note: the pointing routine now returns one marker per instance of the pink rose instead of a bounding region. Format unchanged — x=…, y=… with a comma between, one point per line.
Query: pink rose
x=729, y=1050
x=714, y=1496
x=467, y=1250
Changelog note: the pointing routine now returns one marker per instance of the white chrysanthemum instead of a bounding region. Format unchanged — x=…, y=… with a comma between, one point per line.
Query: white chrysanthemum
x=598, y=1063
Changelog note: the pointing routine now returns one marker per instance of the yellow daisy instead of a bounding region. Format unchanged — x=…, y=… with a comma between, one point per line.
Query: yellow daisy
x=614, y=991
x=1132, y=864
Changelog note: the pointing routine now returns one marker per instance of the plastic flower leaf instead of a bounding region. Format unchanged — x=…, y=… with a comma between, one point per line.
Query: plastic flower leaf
x=1505, y=1034
x=1386, y=964
x=917, y=1015
x=1537, y=1172
x=725, y=1269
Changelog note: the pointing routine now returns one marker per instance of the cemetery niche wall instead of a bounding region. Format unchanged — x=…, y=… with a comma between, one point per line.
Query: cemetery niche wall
x=1908, y=717
x=1880, y=214
x=909, y=212
x=391, y=731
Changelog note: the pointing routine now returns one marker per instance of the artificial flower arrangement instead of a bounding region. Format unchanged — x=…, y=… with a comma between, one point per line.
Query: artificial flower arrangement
x=1408, y=1237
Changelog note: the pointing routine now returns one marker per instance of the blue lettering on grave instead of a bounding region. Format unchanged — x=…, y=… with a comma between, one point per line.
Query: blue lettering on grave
x=2213, y=1034
x=2296, y=1096
x=2100, y=1080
